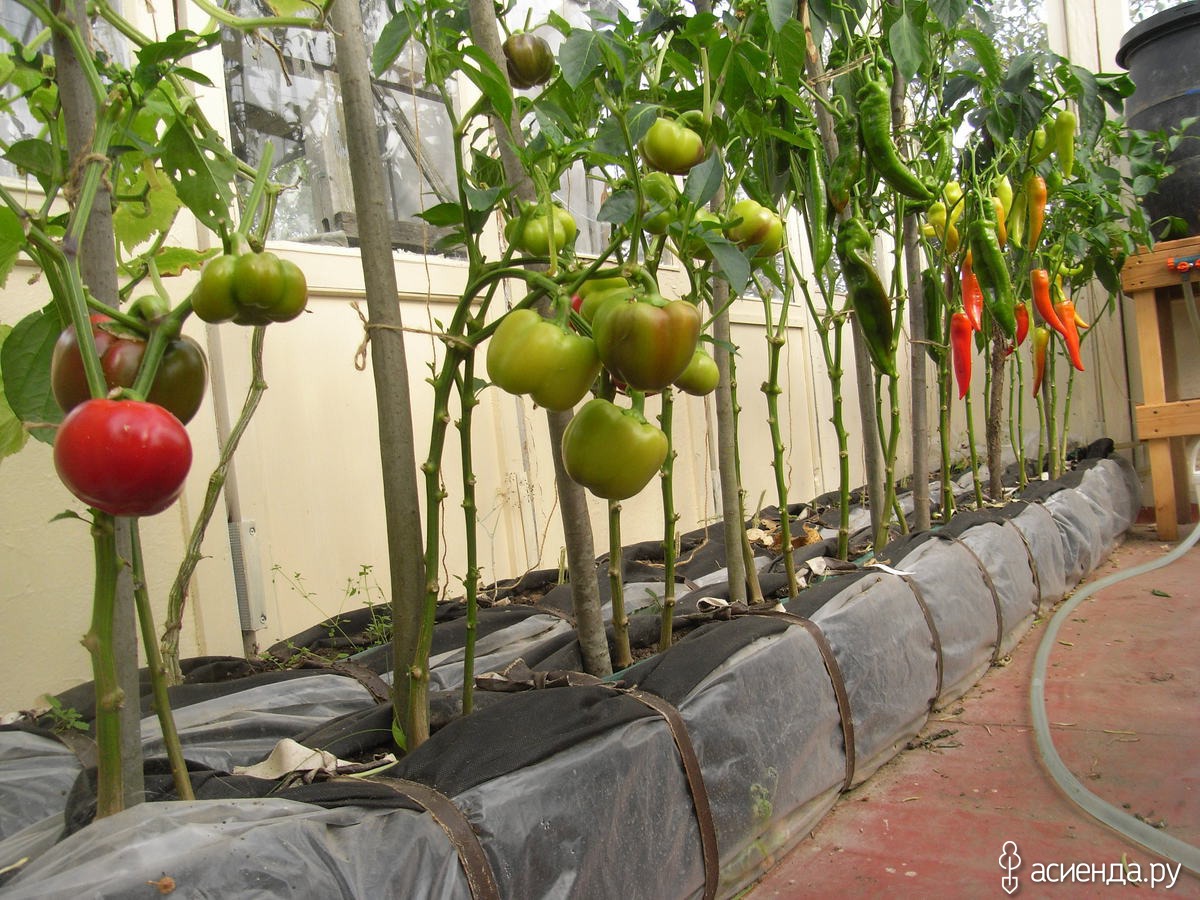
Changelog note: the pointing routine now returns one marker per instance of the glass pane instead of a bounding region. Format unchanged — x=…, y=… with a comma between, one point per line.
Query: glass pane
x=1144, y=9
x=287, y=94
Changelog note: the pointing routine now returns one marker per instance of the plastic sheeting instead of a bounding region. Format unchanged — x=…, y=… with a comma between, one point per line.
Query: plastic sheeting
x=579, y=791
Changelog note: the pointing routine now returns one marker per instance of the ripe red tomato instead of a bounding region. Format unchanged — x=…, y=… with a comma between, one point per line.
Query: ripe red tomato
x=124, y=457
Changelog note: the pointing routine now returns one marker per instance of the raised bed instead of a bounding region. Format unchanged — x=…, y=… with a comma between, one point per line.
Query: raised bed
x=687, y=777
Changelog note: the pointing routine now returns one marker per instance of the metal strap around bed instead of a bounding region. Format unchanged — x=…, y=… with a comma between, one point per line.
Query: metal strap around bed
x=1033, y=568
x=471, y=855
x=933, y=634
x=991, y=586
x=695, y=781
x=840, y=694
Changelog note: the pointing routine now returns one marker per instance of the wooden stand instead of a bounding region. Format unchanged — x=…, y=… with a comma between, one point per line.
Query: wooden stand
x=1163, y=419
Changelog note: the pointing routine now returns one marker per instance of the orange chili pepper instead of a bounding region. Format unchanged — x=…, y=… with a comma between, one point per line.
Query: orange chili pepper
x=1041, y=338
x=1040, y=280
x=1066, y=315
x=1035, y=208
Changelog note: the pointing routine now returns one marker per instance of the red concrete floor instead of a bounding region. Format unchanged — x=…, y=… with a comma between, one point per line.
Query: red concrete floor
x=1123, y=700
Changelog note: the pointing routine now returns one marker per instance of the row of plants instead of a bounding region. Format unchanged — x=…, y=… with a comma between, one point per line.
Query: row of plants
x=950, y=198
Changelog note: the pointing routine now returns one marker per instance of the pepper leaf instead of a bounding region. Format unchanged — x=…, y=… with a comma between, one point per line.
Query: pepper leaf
x=25, y=369
x=202, y=170
x=12, y=238
x=12, y=435
x=391, y=42
x=579, y=56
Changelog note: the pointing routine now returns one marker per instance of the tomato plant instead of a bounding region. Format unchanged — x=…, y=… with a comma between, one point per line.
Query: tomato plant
x=250, y=289
x=124, y=457
x=178, y=385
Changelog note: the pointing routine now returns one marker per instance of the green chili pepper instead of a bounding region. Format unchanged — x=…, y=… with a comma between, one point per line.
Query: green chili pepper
x=867, y=295
x=845, y=167
x=987, y=261
x=875, y=125
x=811, y=180
x=933, y=292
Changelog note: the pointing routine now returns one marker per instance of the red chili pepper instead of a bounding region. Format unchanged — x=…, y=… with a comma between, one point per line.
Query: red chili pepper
x=1022, y=313
x=1041, y=338
x=1040, y=279
x=1066, y=315
x=960, y=344
x=1035, y=190
x=972, y=295
x=1022, y=323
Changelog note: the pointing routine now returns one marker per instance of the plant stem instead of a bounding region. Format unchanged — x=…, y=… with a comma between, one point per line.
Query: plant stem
x=616, y=564
x=670, y=518
x=158, y=680
x=109, y=696
x=974, y=453
x=776, y=338
x=177, y=598
x=468, y=402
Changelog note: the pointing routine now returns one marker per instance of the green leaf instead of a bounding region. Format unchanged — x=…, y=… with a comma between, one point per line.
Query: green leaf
x=12, y=435
x=949, y=12
x=907, y=44
x=579, y=56
x=135, y=222
x=704, y=180
x=292, y=7
x=203, y=172
x=618, y=208
x=790, y=52
x=25, y=369
x=780, y=13
x=1157, y=593
x=37, y=157
x=443, y=215
x=985, y=52
x=729, y=260
x=490, y=81
x=12, y=239
x=483, y=200
x=391, y=42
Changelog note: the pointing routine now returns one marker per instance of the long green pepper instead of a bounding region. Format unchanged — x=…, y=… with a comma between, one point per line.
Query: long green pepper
x=987, y=260
x=867, y=295
x=875, y=125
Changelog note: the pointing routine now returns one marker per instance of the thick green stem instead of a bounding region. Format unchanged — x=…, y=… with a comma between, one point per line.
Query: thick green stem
x=974, y=453
x=995, y=415
x=1050, y=399
x=177, y=598
x=1065, y=432
x=158, y=680
x=616, y=586
x=468, y=402
x=99, y=643
x=670, y=518
x=776, y=338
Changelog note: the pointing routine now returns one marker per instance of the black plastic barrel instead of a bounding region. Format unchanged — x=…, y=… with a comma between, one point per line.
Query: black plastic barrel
x=1162, y=55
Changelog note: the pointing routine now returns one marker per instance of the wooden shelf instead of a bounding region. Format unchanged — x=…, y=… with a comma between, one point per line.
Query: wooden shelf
x=1163, y=419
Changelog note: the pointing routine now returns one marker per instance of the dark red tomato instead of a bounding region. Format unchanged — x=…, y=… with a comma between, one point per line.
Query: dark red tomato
x=178, y=386
x=124, y=457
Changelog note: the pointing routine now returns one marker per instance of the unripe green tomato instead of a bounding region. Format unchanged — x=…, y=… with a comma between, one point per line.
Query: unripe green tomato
x=701, y=375
x=759, y=227
x=212, y=298
x=671, y=147
x=534, y=235
x=661, y=195
x=528, y=59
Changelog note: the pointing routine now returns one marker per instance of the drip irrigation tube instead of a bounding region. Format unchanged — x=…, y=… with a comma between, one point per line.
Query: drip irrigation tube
x=1137, y=831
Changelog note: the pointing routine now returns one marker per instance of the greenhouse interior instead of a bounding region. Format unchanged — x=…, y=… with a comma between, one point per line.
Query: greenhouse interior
x=415, y=416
